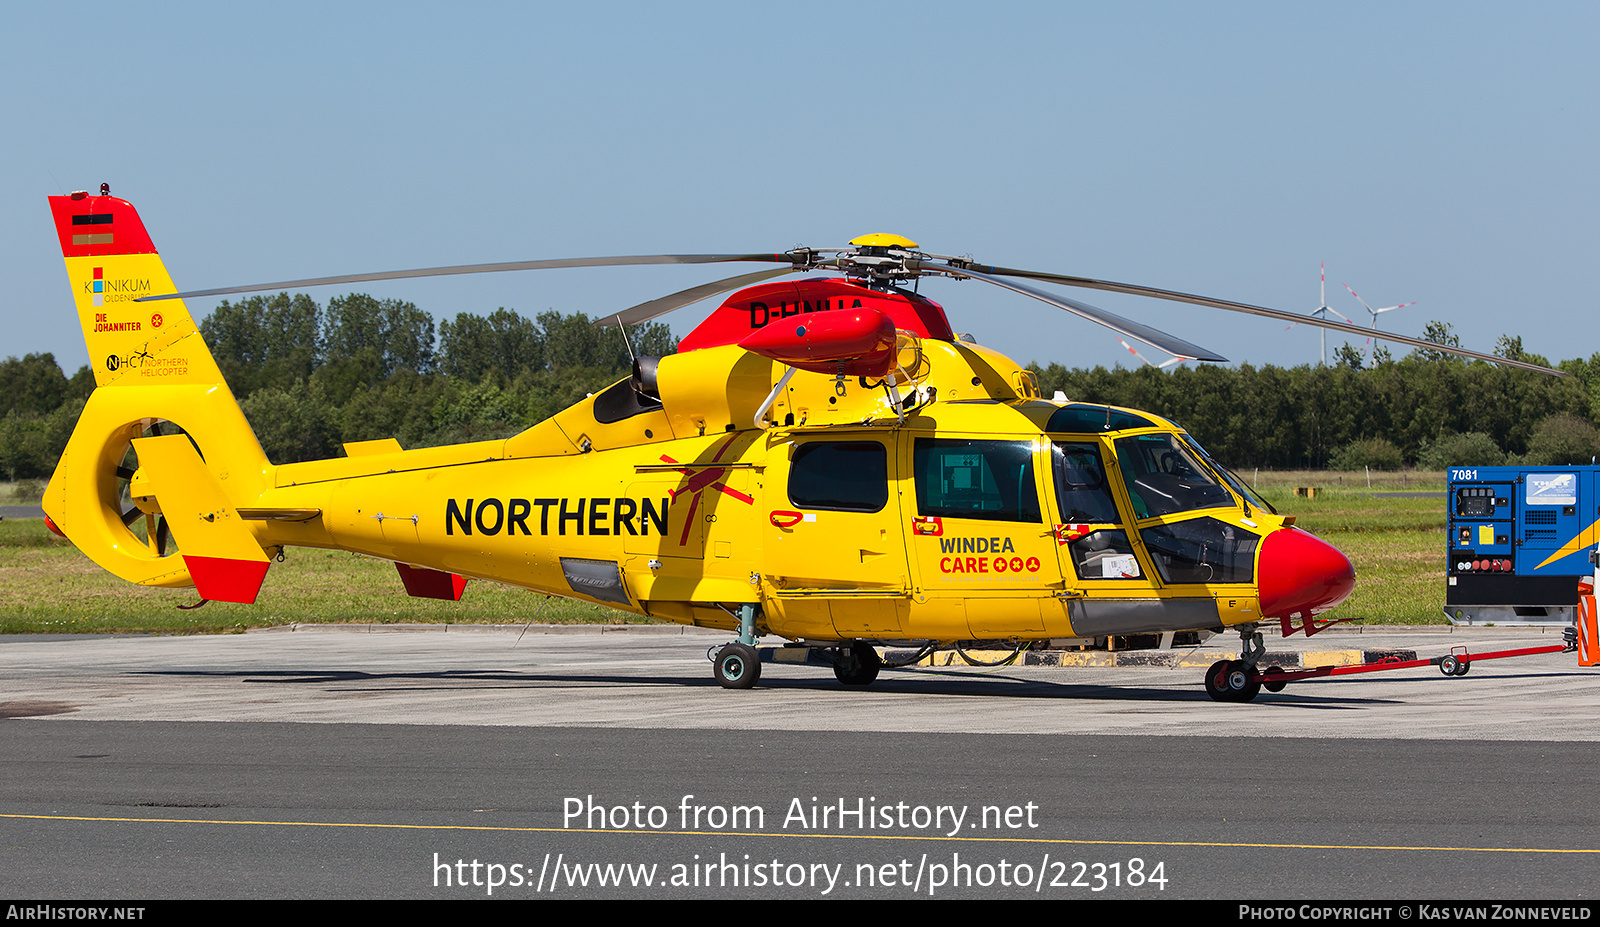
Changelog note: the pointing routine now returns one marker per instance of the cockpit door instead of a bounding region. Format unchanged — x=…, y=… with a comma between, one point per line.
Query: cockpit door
x=1095, y=539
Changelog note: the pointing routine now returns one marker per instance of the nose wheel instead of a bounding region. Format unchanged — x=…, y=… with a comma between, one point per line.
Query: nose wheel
x=1238, y=680
x=1232, y=681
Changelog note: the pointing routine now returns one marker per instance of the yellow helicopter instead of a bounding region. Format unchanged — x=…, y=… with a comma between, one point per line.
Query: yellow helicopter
x=824, y=460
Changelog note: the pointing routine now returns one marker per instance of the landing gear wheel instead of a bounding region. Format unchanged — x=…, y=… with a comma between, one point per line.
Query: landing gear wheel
x=1450, y=665
x=859, y=665
x=737, y=666
x=1276, y=685
x=1232, y=681
x=1243, y=681
x=1217, y=681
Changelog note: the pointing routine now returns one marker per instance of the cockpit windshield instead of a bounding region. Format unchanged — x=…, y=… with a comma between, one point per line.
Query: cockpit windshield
x=1165, y=477
x=1231, y=478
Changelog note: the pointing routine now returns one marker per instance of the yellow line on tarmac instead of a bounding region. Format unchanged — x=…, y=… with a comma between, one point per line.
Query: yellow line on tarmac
x=941, y=838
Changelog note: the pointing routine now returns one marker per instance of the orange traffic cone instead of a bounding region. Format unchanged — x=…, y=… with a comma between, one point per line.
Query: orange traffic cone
x=1588, y=637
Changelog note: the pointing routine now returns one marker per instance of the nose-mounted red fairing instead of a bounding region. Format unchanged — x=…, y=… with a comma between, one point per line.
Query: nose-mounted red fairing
x=1301, y=574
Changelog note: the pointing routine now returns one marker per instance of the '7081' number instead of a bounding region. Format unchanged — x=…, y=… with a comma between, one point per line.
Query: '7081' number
x=1098, y=877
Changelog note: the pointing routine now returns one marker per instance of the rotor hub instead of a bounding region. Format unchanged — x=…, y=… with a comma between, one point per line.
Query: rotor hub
x=882, y=259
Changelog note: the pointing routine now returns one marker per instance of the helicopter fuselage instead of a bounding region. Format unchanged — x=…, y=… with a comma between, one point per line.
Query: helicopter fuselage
x=970, y=509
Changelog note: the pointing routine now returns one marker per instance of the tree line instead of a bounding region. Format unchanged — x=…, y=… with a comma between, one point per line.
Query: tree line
x=1415, y=411
x=311, y=377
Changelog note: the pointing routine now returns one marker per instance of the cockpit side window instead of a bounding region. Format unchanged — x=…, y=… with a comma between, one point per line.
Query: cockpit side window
x=1202, y=550
x=1104, y=554
x=960, y=478
x=1082, y=492
x=1164, y=477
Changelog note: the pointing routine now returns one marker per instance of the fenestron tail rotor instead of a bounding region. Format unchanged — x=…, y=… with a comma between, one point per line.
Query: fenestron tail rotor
x=140, y=511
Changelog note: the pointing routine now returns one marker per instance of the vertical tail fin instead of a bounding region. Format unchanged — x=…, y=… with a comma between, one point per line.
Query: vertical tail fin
x=154, y=377
x=110, y=264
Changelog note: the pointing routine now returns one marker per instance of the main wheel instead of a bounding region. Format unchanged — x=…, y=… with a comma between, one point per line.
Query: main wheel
x=1449, y=665
x=859, y=666
x=737, y=666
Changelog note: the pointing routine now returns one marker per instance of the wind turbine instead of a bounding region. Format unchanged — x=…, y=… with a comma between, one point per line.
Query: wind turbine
x=1375, y=311
x=1176, y=358
x=1322, y=311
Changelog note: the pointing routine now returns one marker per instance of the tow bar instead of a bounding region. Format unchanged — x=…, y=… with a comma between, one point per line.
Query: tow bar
x=1458, y=662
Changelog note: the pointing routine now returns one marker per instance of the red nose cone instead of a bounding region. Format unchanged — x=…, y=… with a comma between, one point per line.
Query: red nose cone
x=1301, y=574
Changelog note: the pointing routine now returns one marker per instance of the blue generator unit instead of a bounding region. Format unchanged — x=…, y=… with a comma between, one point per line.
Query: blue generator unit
x=1520, y=543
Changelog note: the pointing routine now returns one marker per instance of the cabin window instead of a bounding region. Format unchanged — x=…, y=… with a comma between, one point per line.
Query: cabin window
x=1203, y=550
x=1164, y=477
x=840, y=476
x=993, y=480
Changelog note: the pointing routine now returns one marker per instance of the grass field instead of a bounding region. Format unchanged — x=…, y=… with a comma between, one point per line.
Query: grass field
x=46, y=585
x=1397, y=544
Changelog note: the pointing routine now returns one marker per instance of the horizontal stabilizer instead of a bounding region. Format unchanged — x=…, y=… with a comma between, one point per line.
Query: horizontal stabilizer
x=223, y=558
x=290, y=514
x=223, y=580
x=368, y=448
x=423, y=583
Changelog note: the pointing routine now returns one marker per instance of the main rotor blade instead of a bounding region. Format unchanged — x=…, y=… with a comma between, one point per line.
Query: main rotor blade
x=1174, y=296
x=644, y=312
x=479, y=269
x=1151, y=336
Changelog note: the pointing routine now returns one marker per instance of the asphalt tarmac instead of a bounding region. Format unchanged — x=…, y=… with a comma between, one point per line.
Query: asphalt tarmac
x=474, y=763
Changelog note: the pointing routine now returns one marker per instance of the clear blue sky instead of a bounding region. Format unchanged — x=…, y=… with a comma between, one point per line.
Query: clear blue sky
x=1438, y=152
